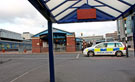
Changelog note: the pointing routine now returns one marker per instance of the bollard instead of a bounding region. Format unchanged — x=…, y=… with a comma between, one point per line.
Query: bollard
x=3, y=50
x=25, y=50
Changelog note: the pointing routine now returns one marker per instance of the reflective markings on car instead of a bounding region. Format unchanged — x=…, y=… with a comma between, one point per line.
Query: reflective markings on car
x=103, y=49
x=109, y=49
x=97, y=50
x=116, y=49
x=121, y=48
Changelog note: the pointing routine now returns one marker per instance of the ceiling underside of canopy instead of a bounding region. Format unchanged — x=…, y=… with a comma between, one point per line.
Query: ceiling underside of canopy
x=65, y=11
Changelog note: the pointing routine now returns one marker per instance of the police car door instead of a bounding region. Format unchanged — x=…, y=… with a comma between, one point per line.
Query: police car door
x=110, y=47
x=100, y=49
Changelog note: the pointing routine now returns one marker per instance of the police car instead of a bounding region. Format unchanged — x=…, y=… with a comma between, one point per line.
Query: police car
x=106, y=48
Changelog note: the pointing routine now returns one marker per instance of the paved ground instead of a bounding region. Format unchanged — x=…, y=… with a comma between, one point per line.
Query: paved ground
x=68, y=68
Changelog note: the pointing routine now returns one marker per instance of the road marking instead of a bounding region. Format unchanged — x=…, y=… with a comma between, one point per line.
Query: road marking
x=77, y=57
x=25, y=74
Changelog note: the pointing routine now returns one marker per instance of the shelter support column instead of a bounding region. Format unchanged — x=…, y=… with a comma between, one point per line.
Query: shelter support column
x=70, y=46
x=51, y=57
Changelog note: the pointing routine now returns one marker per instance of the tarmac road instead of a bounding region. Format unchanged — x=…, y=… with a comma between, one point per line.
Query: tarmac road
x=68, y=68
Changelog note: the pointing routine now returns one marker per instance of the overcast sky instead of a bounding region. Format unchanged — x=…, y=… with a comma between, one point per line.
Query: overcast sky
x=20, y=16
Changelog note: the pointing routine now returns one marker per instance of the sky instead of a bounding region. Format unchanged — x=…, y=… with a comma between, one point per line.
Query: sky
x=20, y=16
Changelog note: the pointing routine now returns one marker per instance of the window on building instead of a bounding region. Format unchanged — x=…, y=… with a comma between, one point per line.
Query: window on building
x=45, y=44
x=129, y=25
x=13, y=45
x=130, y=38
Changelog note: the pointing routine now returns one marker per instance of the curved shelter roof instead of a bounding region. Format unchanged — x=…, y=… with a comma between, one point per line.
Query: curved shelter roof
x=69, y=11
x=55, y=30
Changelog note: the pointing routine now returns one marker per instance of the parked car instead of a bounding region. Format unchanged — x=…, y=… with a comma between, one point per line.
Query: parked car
x=106, y=48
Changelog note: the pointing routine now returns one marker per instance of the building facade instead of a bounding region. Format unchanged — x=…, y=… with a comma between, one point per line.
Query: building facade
x=128, y=22
x=9, y=35
x=111, y=36
x=62, y=41
x=94, y=39
x=11, y=41
x=27, y=35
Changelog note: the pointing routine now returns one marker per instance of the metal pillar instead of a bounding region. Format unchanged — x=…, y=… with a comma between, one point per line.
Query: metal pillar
x=51, y=58
x=126, y=39
x=127, y=49
x=134, y=33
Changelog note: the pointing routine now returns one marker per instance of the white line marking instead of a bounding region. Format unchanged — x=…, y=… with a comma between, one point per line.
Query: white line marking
x=77, y=57
x=25, y=74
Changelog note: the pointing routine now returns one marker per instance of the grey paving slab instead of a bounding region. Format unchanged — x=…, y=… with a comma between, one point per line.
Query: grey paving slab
x=68, y=68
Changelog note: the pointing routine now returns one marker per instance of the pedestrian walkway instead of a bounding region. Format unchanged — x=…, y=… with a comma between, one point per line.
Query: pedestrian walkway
x=131, y=49
x=15, y=52
x=30, y=52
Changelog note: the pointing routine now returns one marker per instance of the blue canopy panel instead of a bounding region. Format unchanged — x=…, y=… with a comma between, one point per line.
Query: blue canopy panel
x=55, y=31
x=65, y=11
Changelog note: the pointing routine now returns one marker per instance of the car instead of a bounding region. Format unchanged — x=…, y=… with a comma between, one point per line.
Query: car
x=106, y=48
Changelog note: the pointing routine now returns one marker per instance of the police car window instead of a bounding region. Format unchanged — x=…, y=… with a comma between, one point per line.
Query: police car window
x=118, y=45
x=111, y=45
x=100, y=45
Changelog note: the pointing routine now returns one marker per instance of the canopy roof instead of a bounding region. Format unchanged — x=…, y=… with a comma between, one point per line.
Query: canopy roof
x=55, y=30
x=65, y=11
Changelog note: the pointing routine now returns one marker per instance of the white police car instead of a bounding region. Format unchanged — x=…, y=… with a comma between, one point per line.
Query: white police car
x=106, y=48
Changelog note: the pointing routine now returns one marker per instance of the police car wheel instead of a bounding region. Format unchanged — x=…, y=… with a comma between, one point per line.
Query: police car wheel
x=119, y=54
x=90, y=53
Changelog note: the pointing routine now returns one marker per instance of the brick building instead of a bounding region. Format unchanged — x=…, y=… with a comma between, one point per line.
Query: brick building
x=62, y=41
